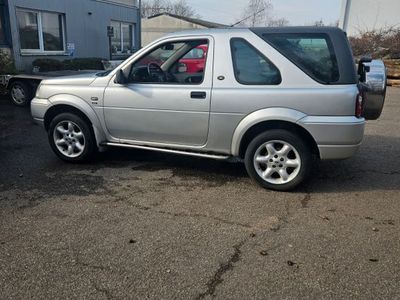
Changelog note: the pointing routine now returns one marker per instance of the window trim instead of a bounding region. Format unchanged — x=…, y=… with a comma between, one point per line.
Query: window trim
x=121, y=41
x=135, y=5
x=232, y=40
x=41, y=49
x=329, y=43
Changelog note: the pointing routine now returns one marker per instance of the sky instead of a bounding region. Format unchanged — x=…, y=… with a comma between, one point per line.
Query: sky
x=298, y=12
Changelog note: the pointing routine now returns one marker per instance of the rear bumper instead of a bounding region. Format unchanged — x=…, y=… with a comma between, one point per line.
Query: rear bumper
x=337, y=151
x=336, y=137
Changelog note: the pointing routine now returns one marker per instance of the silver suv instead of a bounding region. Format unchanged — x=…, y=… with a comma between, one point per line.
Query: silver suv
x=279, y=98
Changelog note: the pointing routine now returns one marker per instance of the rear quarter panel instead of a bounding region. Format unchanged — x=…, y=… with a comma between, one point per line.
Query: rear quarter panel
x=233, y=102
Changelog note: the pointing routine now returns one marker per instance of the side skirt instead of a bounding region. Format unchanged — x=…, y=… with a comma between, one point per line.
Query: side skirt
x=196, y=154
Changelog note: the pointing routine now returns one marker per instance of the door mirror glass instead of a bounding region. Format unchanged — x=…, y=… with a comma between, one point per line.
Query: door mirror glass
x=120, y=77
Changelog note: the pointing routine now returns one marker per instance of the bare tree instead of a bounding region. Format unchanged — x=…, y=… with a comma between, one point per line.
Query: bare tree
x=154, y=7
x=319, y=23
x=181, y=8
x=281, y=22
x=256, y=13
x=177, y=7
x=259, y=13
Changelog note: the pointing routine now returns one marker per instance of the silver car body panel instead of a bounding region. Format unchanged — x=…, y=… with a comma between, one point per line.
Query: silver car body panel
x=164, y=115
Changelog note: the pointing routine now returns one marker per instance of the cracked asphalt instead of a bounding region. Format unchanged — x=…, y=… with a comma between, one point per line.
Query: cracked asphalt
x=143, y=225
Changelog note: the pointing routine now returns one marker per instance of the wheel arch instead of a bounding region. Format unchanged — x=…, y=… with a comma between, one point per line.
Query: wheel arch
x=32, y=82
x=79, y=107
x=271, y=118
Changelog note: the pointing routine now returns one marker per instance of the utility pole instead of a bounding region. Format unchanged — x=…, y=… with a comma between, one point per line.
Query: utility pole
x=345, y=15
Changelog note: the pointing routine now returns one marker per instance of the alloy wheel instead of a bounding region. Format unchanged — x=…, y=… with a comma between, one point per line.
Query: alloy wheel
x=69, y=139
x=18, y=94
x=277, y=162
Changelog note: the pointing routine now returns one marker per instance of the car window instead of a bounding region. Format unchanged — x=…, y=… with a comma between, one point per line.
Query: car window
x=164, y=65
x=312, y=52
x=161, y=54
x=251, y=67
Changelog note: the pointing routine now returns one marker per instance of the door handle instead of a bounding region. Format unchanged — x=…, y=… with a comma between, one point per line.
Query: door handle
x=198, y=95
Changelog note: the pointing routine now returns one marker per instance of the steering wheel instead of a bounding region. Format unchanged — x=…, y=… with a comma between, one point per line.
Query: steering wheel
x=156, y=73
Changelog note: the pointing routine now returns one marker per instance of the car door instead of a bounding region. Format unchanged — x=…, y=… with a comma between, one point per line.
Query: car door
x=167, y=113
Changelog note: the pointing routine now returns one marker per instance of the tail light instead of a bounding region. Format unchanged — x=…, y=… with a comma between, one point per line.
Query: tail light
x=359, y=104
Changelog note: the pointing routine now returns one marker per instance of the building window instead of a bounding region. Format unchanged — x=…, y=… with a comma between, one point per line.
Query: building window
x=41, y=31
x=2, y=27
x=122, y=41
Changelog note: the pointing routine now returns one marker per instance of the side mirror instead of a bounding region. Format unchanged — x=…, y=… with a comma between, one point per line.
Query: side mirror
x=120, y=77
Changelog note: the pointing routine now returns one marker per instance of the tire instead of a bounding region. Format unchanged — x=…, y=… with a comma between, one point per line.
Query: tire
x=278, y=160
x=21, y=93
x=68, y=131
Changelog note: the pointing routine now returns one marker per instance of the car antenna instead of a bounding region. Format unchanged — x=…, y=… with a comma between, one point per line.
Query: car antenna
x=252, y=15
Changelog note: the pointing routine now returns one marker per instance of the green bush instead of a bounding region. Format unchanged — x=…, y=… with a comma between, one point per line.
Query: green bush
x=6, y=63
x=91, y=63
x=48, y=64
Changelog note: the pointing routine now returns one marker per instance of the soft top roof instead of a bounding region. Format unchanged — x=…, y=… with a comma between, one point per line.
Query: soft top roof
x=297, y=29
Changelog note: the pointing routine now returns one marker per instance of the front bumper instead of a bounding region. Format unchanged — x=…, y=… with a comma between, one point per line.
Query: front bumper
x=336, y=137
x=38, y=110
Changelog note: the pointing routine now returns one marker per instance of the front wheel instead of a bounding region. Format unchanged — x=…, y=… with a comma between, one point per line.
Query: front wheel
x=71, y=138
x=278, y=160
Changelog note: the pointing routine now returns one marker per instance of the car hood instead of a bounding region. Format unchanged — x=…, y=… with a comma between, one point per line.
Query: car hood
x=82, y=79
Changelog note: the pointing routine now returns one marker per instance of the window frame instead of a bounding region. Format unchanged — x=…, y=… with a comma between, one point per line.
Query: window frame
x=121, y=39
x=232, y=40
x=306, y=71
x=41, y=49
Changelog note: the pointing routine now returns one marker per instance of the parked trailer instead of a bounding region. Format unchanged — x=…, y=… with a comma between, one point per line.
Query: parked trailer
x=22, y=88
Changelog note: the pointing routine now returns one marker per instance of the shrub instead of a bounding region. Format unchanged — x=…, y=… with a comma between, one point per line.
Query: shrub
x=6, y=63
x=48, y=64
x=91, y=63
x=383, y=43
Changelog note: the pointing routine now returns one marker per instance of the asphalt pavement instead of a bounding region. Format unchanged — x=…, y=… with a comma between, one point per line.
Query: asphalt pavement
x=144, y=225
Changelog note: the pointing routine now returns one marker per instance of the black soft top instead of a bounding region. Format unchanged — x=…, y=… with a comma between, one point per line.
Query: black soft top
x=344, y=55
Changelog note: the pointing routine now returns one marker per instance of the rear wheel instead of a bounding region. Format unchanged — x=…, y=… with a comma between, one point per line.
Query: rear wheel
x=278, y=160
x=71, y=138
x=20, y=93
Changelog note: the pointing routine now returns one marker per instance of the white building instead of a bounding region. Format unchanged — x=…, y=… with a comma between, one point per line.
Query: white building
x=364, y=15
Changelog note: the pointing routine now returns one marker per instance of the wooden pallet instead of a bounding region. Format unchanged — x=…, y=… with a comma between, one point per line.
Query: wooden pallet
x=393, y=82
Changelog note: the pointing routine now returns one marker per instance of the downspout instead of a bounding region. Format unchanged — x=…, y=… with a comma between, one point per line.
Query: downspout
x=139, y=25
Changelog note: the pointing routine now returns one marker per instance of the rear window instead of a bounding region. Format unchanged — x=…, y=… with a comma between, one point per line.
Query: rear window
x=311, y=52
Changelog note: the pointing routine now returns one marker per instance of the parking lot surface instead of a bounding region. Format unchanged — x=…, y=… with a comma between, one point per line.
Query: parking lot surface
x=137, y=224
